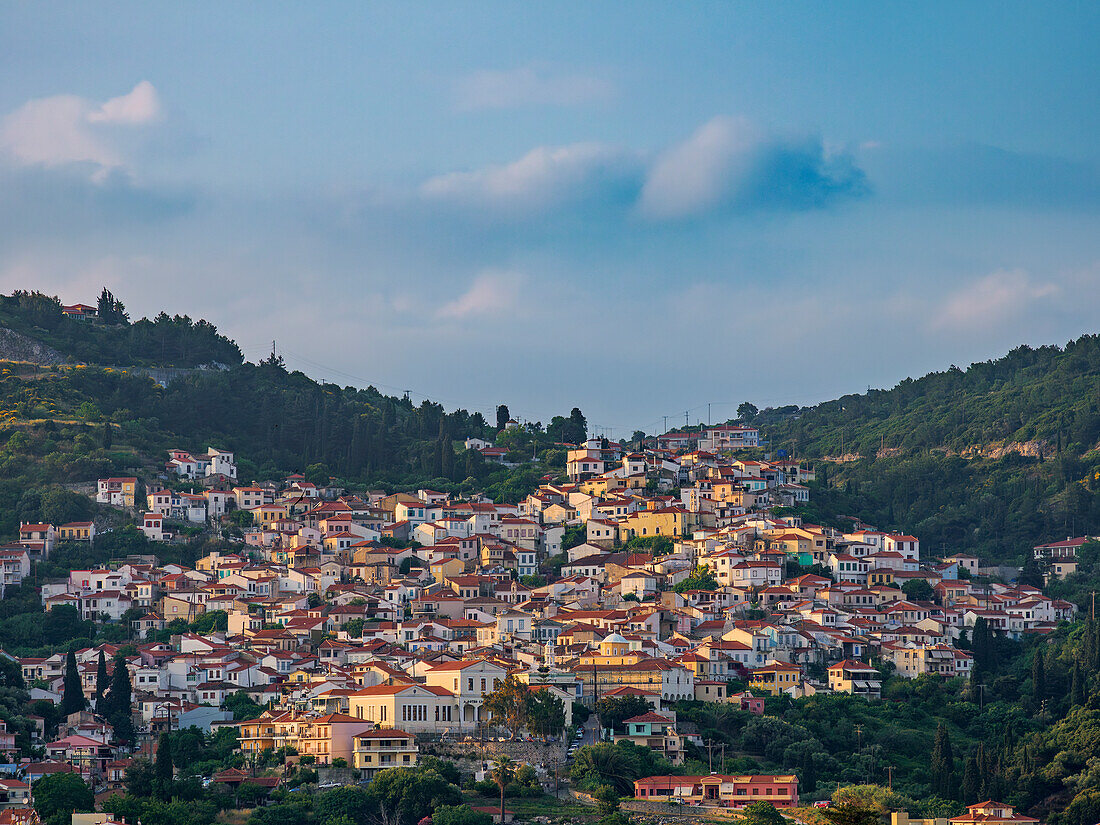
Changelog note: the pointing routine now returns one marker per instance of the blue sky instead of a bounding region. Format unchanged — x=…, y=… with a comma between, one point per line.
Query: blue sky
x=636, y=208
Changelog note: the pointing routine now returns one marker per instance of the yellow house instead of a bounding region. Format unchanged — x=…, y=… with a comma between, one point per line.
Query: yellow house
x=776, y=678
x=377, y=750
x=446, y=568
x=267, y=514
x=669, y=521
x=857, y=678
x=77, y=531
x=881, y=575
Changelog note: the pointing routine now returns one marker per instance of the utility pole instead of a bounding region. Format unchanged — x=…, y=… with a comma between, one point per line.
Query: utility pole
x=890, y=777
x=859, y=738
x=710, y=746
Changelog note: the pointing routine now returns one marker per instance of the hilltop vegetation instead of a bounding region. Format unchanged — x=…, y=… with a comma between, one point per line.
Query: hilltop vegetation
x=991, y=460
x=1049, y=396
x=111, y=339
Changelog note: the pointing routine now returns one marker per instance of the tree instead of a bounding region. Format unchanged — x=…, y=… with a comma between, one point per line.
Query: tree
x=918, y=590
x=808, y=774
x=503, y=773
x=58, y=795
x=614, y=710
x=412, y=794
x=460, y=815
x=509, y=703
x=119, y=697
x=110, y=310
x=1038, y=677
x=700, y=579
x=242, y=706
x=1030, y=575
x=314, y=599
x=1077, y=685
x=102, y=681
x=72, y=697
x=746, y=411
x=578, y=426
x=605, y=764
x=545, y=713
x=342, y=804
x=762, y=813
x=851, y=813
x=140, y=776
x=971, y=782
x=942, y=766
x=503, y=417
x=164, y=767
x=607, y=799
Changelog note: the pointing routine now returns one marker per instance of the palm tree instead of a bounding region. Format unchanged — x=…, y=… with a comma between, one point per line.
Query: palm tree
x=504, y=771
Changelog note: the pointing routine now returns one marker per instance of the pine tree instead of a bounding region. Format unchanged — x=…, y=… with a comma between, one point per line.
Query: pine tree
x=72, y=698
x=102, y=682
x=164, y=767
x=942, y=767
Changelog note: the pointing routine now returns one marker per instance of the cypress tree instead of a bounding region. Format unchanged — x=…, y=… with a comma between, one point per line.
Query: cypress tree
x=942, y=765
x=72, y=698
x=448, y=458
x=1077, y=689
x=1038, y=677
x=809, y=773
x=437, y=459
x=118, y=701
x=102, y=682
x=971, y=784
x=985, y=771
x=164, y=767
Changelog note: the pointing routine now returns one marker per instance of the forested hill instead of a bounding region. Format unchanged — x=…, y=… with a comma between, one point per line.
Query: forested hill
x=1044, y=399
x=992, y=459
x=71, y=423
x=111, y=339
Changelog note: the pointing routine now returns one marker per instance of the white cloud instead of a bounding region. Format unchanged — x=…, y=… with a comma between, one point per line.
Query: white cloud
x=987, y=302
x=693, y=176
x=67, y=129
x=140, y=105
x=492, y=292
x=545, y=176
x=528, y=86
x=731, y=162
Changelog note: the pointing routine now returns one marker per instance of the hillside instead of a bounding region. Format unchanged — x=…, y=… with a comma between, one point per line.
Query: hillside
x=1033, y=401
x=990, y=459
x=70, y=423
x=34, y=328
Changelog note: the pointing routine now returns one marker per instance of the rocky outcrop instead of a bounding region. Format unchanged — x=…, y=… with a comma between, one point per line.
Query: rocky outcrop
x=15, y=346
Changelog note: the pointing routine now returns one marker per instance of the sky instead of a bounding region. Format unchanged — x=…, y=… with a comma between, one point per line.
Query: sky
x=642, y=209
